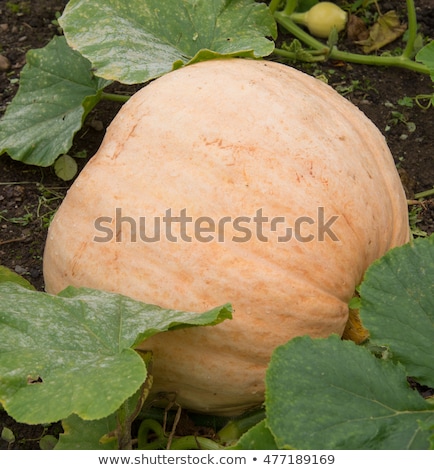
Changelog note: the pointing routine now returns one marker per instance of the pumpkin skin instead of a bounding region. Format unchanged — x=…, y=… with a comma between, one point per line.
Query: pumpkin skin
x=225, y=138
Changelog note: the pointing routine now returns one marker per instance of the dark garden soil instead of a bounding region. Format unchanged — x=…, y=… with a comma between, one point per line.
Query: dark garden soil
x=30, y=195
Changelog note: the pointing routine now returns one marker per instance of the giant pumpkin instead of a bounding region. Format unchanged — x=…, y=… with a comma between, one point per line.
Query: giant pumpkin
x=232, y=180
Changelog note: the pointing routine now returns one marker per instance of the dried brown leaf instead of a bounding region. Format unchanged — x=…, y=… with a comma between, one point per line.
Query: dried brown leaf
x=356, y=29
x=384, y=31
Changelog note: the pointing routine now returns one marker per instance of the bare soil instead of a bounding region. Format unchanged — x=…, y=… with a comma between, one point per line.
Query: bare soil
x=30, y=195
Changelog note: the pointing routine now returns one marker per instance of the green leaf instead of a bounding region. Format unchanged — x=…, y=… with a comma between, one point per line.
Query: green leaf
x=426, y=56
x=7, y=435
x=257, y=437
x=65, y=167
x=397, y=306
x=6, y=275
x=72, y=353
x=57, y=90
x=86, y=435
x=136, y=41
x=333, y=394
x=48, y=442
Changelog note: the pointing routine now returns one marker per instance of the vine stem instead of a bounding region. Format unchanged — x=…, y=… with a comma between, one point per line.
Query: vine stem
x=290, y=6
x=114, y=97
x=412, y=30
x=195, y=442
x=423, y=194
x=316, y=56
x=274, y=4
x=402, y=61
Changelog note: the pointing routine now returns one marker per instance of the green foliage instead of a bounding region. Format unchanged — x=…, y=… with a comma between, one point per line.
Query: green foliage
x=323, y=393
x=6, y=275
x=54, y=348
x=148, y=39
x=142, y=40
x=62, y=82
x=7, y=435
x=330, y=50
x=86, y=435
x=258, y=437
x=65, y=167
x=320, y=393
x=336, y=395
x=426, y=56
x=398, y=306
x=57, y=90
x=18, y=8
x=414, y=219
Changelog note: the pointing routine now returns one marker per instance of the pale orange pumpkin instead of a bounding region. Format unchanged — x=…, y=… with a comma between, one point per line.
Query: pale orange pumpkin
x=213, y=142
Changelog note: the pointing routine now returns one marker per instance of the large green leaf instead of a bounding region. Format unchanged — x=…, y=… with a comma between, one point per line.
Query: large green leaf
x=397, y=306
x=426, y=56
x=135, y=41
x=6, y=275
x=57, y=90
x=73, y=353
x=258, y=437
x=333, y=394
x=86, y=435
